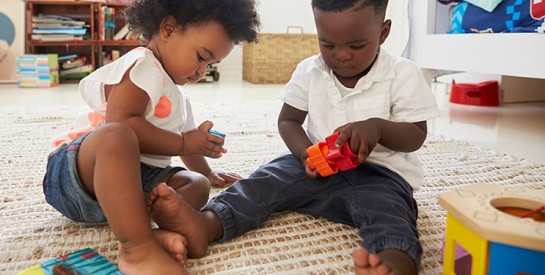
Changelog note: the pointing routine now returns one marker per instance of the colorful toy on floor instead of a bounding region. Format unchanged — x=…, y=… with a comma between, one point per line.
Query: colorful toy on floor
x=85, y=261
x=327, y=159
x=502, y=229
x=480, y=94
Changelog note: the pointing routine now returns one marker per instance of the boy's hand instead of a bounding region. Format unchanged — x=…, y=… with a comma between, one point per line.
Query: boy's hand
x=363, y=135
x=222, y=179
x=311, y=173
x=201, y=142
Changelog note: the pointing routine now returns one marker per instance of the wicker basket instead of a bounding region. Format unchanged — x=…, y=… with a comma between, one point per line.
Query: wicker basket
x=273, y=59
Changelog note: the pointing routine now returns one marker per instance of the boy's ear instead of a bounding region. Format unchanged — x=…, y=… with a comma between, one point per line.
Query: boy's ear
x=167, y=27
x=385, y=31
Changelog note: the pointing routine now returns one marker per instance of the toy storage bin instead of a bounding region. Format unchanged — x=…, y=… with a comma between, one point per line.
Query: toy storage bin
x=274, y=57
x=480, y=94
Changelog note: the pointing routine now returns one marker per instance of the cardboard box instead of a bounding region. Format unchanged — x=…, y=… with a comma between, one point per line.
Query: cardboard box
x=522, y=89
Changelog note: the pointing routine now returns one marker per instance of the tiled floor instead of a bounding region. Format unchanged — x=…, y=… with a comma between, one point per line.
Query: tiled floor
x=515, y=129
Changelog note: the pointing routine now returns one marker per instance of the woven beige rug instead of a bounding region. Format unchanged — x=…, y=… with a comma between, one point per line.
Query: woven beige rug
x=31, y=231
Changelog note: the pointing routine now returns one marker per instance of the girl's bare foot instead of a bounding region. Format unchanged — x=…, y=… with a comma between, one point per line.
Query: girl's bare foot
x=147, y=258
x=386, y=262
x=171, y=213
x=173, y=243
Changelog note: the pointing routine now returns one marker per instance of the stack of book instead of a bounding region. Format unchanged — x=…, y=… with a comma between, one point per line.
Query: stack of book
x=57, y=28
x=74, y=67
x=37, y=70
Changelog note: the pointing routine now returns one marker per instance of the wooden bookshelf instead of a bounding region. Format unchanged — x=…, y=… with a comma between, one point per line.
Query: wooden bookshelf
x=92, y=46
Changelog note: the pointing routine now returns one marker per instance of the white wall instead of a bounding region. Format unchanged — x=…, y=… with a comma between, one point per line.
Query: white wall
x=276, y=15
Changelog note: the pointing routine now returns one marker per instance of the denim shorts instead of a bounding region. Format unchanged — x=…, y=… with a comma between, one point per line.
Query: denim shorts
x=64, y=191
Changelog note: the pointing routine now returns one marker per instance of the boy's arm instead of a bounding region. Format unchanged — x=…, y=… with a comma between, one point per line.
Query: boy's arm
x=290, y=127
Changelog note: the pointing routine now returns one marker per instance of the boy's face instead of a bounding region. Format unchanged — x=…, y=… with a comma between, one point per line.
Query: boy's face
x=350, y=40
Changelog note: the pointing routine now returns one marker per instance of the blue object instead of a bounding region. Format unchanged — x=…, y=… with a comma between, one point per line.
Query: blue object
x=216, y=133
x=7, y=29
x=507, y=259
x=508, y=16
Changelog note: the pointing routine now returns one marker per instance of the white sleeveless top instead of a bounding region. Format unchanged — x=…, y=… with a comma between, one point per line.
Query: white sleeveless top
x=169, y=107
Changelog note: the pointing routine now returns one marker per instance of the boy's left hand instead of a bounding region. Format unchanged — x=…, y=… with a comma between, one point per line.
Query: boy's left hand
x=222, y=179
x=363, y=135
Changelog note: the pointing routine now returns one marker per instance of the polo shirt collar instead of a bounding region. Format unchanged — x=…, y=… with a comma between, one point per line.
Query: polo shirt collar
x=382, y=70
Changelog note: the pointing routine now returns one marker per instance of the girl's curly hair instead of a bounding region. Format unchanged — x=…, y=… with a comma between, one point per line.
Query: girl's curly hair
x=238, y=17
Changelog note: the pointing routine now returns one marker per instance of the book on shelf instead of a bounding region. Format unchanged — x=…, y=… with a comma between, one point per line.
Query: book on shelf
x=87, y=68
x=122, y=33
x=57, y=28
x=67, y=57
x=85, y=261
x=73, y=63
x=107, y=23
x=55, y=37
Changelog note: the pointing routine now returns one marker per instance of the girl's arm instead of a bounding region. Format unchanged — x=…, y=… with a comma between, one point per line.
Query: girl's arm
x=127, y=104
x=199, y=164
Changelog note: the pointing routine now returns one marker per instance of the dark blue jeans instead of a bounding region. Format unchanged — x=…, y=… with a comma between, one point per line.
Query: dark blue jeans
x=370, y=197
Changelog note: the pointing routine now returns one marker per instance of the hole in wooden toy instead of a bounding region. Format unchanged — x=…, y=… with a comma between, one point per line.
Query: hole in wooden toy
x=522, y=208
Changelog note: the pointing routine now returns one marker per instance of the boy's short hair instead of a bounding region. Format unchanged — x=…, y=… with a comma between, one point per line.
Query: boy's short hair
x=239, y=18
x=341, y=5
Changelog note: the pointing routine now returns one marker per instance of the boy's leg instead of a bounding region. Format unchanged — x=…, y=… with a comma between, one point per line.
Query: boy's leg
x=108, y=163
x=277, y=186
x=382, y=206
x=274, y=187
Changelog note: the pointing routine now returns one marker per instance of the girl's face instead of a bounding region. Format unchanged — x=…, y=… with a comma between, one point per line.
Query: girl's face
x=350, y=40
x=186, y=53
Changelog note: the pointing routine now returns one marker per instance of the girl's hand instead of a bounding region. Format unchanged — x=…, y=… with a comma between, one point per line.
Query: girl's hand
x=222, y=179
x=201, y=142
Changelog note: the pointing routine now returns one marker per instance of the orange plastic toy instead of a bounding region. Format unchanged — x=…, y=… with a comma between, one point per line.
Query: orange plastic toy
x=327, y=159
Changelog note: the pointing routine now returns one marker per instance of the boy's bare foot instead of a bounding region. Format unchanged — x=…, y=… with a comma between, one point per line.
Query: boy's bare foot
x=147, y=258
x=171, y=213
x=387, y=262
x=173, y=243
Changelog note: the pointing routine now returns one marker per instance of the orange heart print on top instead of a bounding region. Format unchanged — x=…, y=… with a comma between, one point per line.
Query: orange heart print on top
x=163, y=107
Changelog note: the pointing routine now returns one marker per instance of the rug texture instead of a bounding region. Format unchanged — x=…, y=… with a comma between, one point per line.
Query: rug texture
x=288, y=243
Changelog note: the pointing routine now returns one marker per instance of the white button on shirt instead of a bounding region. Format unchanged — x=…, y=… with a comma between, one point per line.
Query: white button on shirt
x=394, y=89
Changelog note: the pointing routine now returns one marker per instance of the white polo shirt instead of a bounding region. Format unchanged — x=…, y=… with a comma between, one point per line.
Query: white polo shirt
x=394, y=90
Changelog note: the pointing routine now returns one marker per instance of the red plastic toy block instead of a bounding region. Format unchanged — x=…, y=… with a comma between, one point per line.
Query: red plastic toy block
x=327, y=159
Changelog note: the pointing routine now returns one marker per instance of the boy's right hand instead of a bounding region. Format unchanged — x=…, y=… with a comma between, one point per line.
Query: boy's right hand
x=311, y=173
x=201, y=142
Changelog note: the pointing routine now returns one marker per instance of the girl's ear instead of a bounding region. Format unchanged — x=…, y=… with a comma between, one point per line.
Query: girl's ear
x=167, y=27
x=385, y=31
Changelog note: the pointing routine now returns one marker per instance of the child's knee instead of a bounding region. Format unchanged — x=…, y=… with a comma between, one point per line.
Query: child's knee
x=116, y=135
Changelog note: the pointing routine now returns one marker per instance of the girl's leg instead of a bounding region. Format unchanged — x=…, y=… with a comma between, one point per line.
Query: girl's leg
x=108, y=164
x=194, y=188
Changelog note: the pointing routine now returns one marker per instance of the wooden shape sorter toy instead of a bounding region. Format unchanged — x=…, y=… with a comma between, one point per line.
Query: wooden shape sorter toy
x=501, y=227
